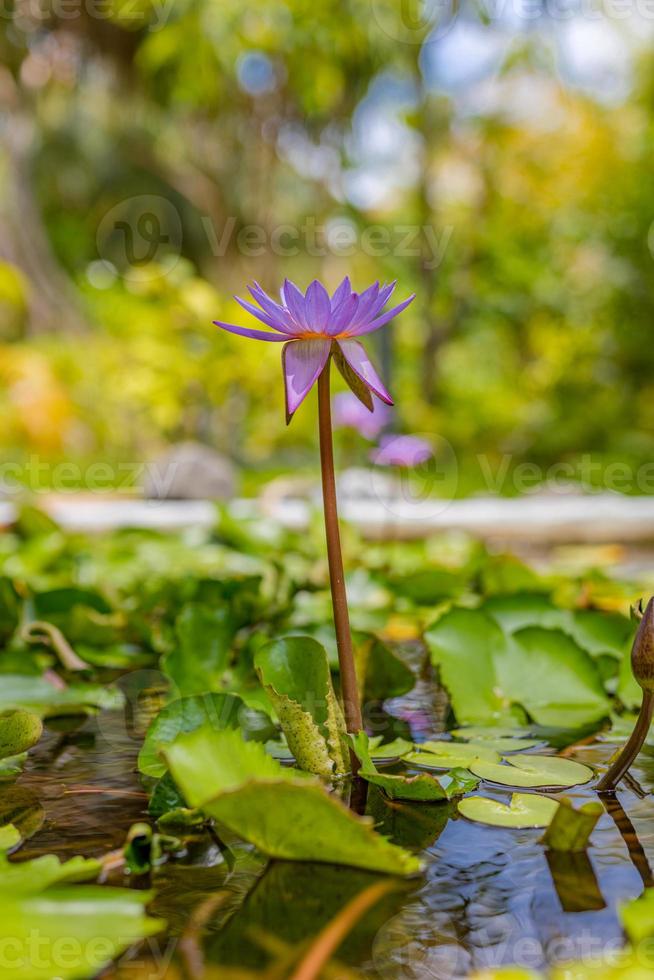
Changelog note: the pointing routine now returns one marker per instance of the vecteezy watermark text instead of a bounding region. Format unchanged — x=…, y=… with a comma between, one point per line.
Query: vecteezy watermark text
x=332, y=237
x=152, y=16
x=141, y=238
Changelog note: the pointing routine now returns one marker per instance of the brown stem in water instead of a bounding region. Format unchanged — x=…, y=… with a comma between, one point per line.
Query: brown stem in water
x=609, y=781
x=327, y=942
x=349, y=687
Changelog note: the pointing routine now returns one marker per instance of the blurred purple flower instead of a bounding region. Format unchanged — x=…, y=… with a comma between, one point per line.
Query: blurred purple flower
x=314, y=325
x=349, y=413
x=402, y=451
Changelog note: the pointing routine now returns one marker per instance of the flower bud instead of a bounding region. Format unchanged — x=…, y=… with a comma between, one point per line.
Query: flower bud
x=642, y=652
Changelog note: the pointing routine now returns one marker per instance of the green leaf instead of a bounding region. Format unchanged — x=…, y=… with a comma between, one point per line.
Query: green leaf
x=466, y=646
x=199, y=661
x=570, y=829
x=282, y=812
x=618, y=965
x=507, y=745
x=94, y=925
x=428, y=587
x=186, y=714
x=38, y=695
x=396, y=749
x=450, y=755
x=19, y=731
x=295, y=673
x=480, y=733
x=516, y=611
x=380, y=674
x=637, y=917
x=489, y=673
x=553, y=678
x=10, y=837
x=525, y=810
x=534, y=770
x=422, y=788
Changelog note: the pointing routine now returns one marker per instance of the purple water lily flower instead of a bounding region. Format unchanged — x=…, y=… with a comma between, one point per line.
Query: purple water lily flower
x=403, y=451
x=349, y=413
x=315, y=325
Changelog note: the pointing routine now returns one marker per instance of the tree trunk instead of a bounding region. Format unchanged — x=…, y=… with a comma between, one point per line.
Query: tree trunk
x=24, y=241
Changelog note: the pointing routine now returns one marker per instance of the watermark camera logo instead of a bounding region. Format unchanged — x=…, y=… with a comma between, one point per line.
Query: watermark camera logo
x=140, y=238
x=421, y=487
x=415, y=21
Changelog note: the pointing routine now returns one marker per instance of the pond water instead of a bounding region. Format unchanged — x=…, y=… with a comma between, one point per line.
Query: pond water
x=488, y=896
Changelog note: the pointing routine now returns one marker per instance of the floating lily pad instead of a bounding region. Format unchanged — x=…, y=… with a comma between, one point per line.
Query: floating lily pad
x=525, y=810
x=419, y=789
x=396, y=749
x=533, y=770
x=450, y=755
x=481, y=733
x=507, y=745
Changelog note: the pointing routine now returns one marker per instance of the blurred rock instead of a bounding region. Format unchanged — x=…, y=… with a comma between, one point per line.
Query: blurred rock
x=190, y=471
x=367, y=483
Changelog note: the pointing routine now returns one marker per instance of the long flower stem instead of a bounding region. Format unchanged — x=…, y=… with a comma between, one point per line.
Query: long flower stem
x=349, y=688
x=609, y=781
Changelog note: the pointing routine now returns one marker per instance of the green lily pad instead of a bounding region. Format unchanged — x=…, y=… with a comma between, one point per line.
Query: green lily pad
x=38, y=695
x=481, y=733
x=534, y=770
x=507, y=745
x=525, y=810
x=284, y=813
x=186, y=714
x=396, y=749
x=493, y=675
x=450, y=755
x=420, y=789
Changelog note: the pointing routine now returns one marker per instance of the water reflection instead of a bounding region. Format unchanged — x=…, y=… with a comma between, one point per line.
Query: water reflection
x=489, y=896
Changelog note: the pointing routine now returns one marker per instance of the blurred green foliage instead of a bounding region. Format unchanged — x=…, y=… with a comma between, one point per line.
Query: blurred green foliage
x=530, y=333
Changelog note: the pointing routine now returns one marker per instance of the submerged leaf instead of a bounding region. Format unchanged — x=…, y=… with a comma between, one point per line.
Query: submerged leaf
x=525, y=810
x=534, y=770
x=295, y=672
x=284, y=813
